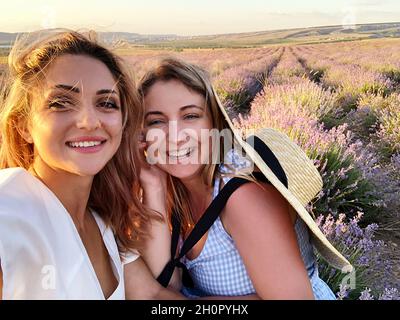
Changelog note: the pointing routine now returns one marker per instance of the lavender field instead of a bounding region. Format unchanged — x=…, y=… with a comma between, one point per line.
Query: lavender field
x=341, y=103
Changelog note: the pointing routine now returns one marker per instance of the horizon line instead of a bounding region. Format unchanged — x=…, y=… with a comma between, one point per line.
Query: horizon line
x=211, y=34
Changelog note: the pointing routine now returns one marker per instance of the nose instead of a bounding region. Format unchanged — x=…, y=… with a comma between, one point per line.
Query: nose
x=88, y=118
x=176, y=133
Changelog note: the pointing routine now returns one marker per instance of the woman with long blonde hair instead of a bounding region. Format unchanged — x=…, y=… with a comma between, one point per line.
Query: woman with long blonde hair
x=233, y=235
x=71, y=216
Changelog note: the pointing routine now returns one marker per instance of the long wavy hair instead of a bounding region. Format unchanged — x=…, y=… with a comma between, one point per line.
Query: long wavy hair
x=115, y=193
x=197, y=79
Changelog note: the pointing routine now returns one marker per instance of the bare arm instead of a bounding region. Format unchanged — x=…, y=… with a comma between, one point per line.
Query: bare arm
x=141, y=285
x=157, y=250
x=267, y=242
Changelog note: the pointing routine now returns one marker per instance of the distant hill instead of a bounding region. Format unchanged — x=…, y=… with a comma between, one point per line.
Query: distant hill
x=110, y=37
x=300, y=35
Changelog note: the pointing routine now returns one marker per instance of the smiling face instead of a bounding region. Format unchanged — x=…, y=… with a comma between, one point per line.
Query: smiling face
x=76, y=120
x=174, y=121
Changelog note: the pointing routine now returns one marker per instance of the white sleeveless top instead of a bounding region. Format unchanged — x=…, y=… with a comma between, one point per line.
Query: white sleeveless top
x=41, y=253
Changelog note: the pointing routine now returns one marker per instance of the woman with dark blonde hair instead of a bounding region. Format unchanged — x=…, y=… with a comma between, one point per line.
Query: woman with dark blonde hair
x=239, y=226
x=71, y=216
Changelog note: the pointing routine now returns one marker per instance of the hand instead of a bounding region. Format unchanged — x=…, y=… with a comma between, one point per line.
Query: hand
x=151, y=177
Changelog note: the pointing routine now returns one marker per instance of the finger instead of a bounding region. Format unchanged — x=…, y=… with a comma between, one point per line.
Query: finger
x=144, y=160
x=142, y=145
x=141, y=136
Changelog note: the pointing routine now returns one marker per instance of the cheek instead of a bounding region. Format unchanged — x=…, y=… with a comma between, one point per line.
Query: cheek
x=156, y=138
x=113, y=124
x=48, y=134
x=208, y=142
x=46, y=130
x=206, y=132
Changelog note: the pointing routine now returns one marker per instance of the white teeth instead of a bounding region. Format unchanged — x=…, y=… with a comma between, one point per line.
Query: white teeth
x=181, y=153
x=84, y=144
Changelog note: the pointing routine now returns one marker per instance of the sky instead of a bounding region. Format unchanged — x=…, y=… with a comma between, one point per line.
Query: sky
x=188, y=17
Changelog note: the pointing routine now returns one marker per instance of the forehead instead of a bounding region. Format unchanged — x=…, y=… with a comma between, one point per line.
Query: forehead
x=171, y=93
x=82, y=71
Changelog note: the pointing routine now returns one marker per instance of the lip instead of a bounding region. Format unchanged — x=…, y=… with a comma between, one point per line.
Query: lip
x=178, y=150
x=87, y=138
x=183, y=159
x=92, y=149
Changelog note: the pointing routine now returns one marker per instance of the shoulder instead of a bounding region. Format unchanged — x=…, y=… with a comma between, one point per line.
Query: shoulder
x=256, y=194
x=22, y=209
x=19, y=191
x=257, y=204
x=17, y=181
x=10, y=175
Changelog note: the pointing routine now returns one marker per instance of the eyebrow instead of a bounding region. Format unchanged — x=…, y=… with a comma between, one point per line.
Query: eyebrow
x=191, y=106
x=181, y=109
x=106, y=91
x=67, y=87
x=76, y=89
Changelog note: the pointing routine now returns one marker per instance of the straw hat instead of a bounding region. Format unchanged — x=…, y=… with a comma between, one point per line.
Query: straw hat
x=293, y=174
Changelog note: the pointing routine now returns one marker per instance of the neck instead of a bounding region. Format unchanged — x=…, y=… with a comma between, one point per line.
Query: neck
x=199, y=195
x=74, y=197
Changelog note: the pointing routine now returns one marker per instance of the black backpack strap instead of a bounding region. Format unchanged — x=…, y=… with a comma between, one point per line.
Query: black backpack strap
x=259, y=176
x=269, y=158
x=166, y=273
x=214, y=210
x=201, y=227
x=211, y=214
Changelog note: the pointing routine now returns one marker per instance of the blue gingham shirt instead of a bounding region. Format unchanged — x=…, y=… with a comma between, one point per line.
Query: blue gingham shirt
x=219, y=270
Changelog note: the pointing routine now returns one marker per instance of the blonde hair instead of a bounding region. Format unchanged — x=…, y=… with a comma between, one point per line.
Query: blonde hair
x=196, y=79
x=118, y=181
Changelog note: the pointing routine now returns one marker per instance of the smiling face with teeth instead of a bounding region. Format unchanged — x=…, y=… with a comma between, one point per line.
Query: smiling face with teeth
x=174, y=119
x=76, y=121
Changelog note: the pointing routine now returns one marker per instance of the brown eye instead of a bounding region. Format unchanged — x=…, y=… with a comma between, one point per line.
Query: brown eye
x=109, y=104
x=59, y=104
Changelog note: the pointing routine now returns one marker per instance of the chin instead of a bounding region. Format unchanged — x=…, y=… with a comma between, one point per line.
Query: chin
x=86, y=170
x=89, y=165
x=182, y=172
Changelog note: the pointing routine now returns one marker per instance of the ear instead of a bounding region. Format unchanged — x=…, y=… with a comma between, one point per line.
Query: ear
x=23, y=130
